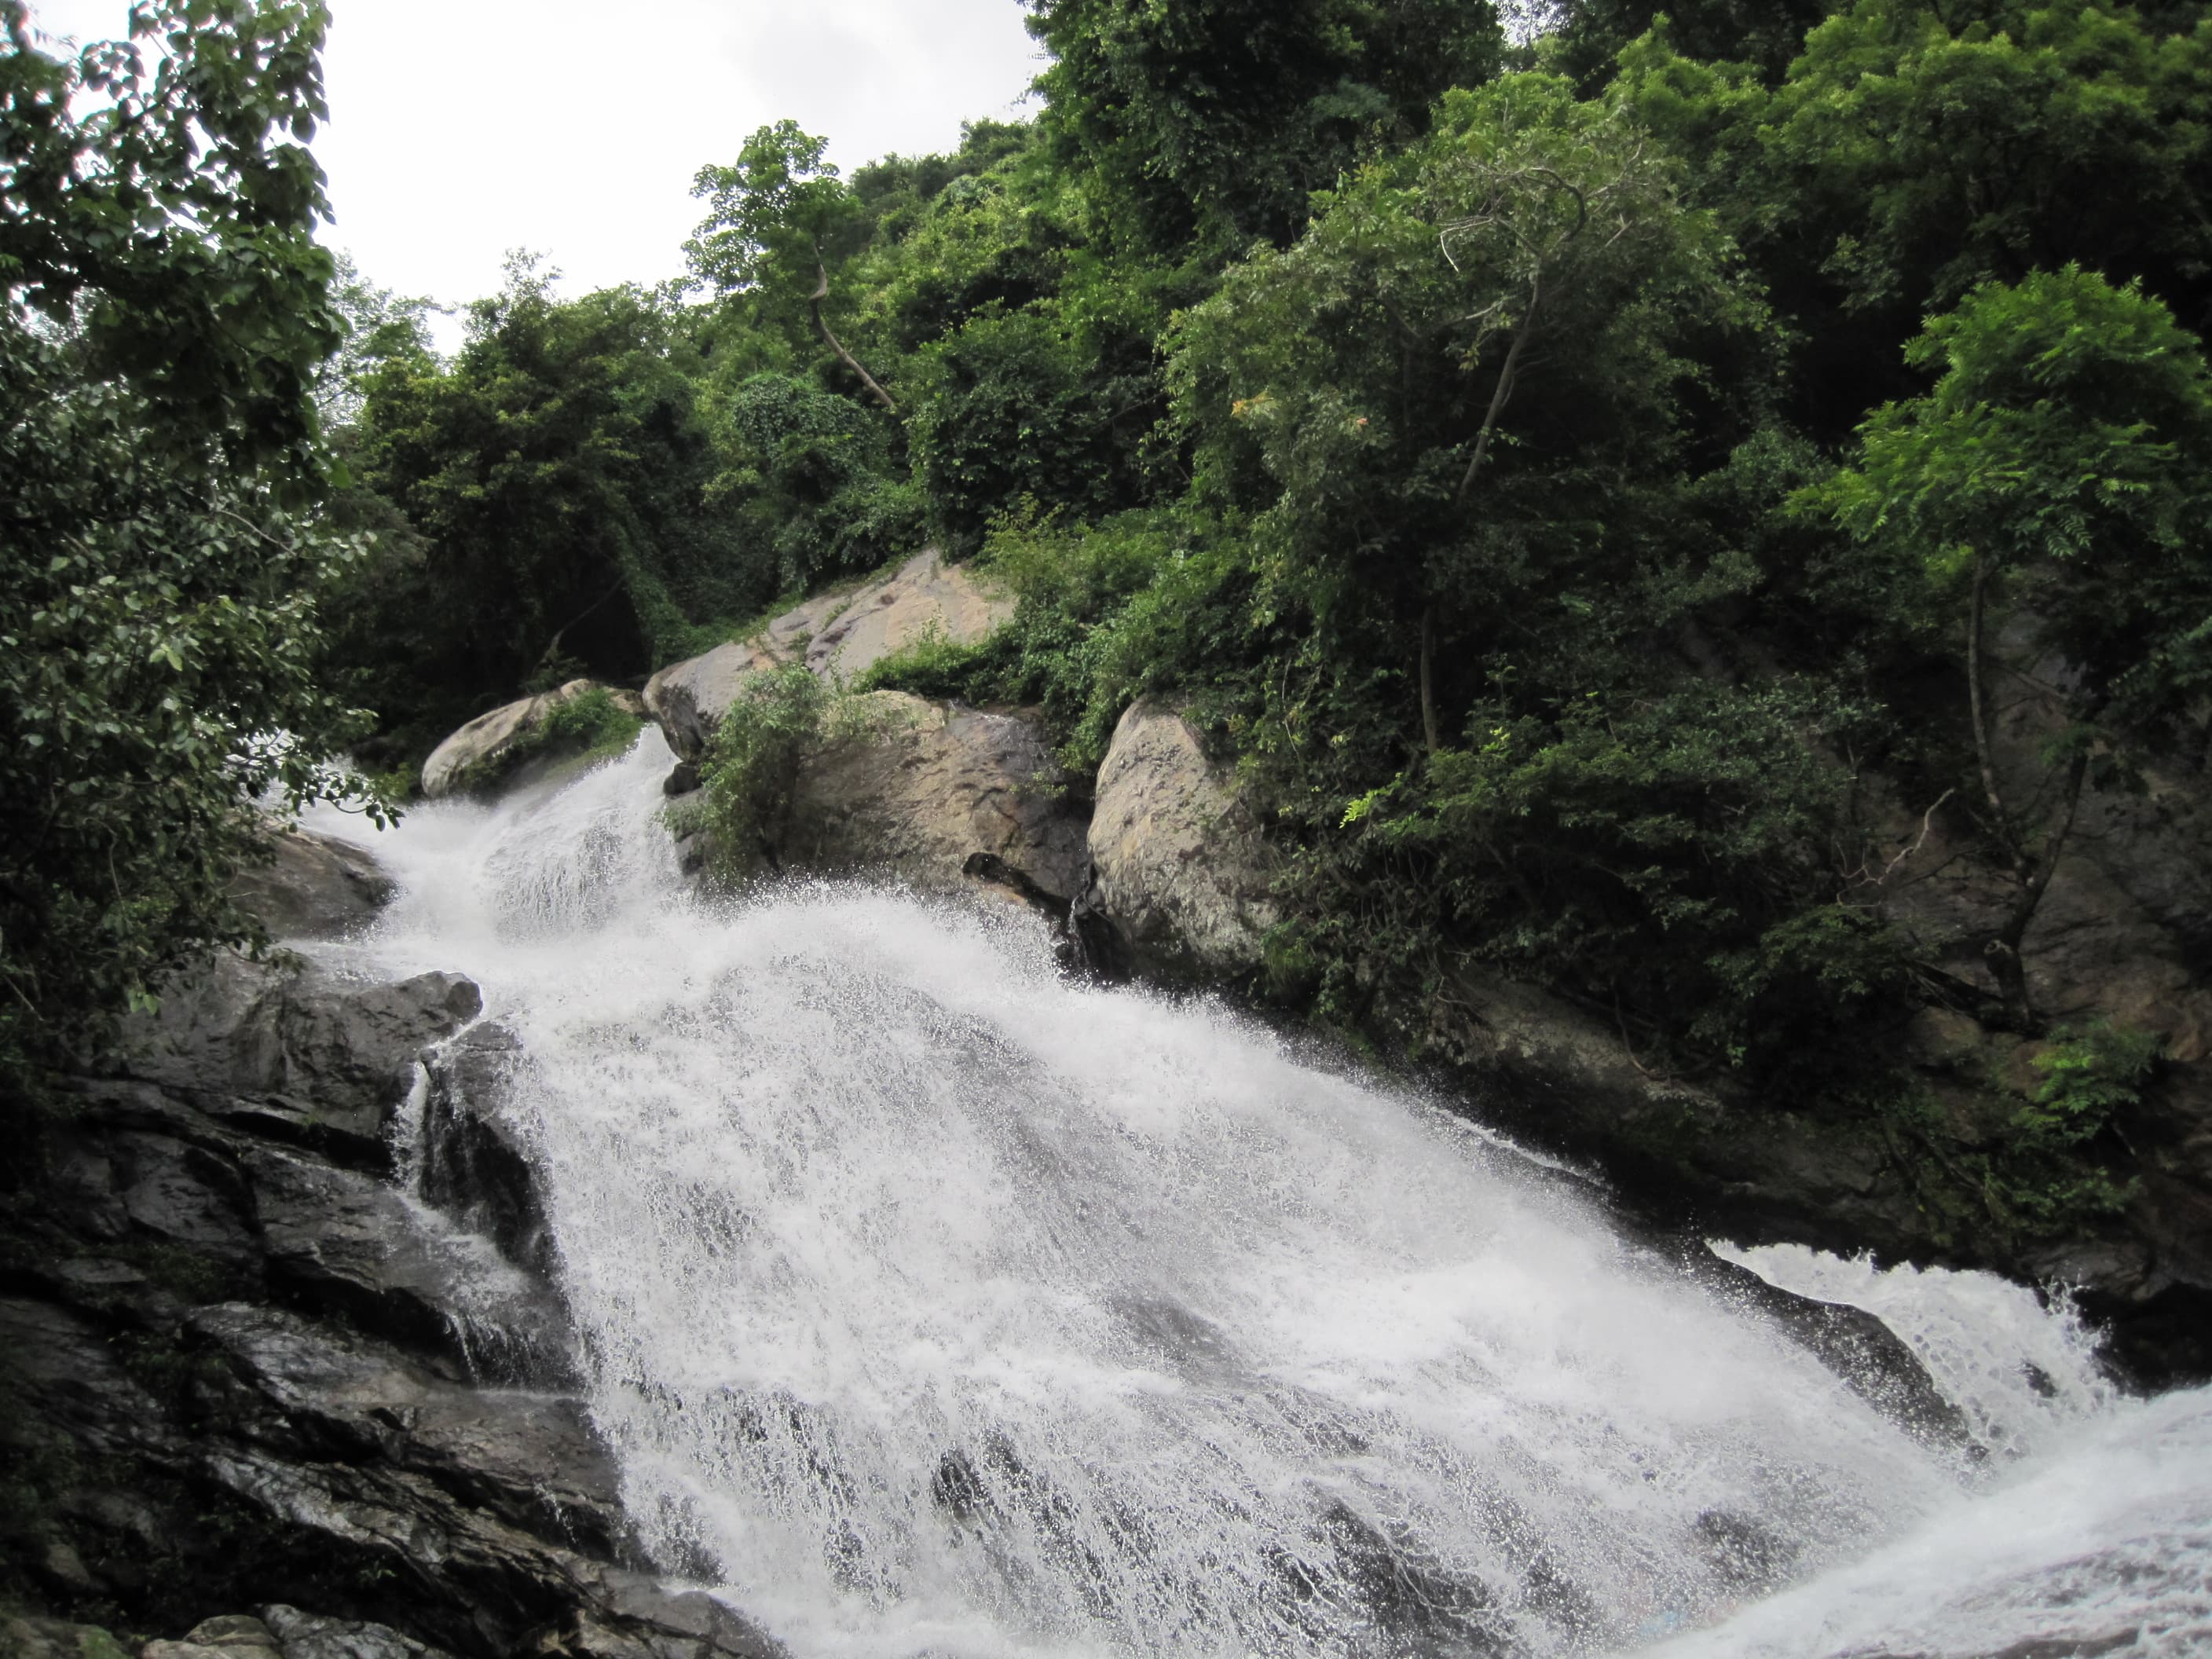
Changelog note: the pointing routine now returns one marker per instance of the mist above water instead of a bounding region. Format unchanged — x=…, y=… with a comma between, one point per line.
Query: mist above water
x=931, y=1303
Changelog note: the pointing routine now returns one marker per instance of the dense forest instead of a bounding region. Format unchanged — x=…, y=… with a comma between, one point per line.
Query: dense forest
x=1575, y=463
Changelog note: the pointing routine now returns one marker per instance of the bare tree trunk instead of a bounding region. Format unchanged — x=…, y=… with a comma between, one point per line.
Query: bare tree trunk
x=2003, y=948
x=1508, y=372
x=1984, y=747
x=2032, y=871
x=814, y=309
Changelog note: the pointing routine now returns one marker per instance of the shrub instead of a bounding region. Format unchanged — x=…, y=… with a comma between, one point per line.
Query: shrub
x=752, y=762
x=2087, y=1075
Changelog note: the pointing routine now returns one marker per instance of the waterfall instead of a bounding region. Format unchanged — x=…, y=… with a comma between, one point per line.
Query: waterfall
x=933, y=1305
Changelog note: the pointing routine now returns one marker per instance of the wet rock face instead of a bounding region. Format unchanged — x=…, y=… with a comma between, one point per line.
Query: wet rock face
x=304, y=1054
x=837, y=635
x=314, y=887
x=476, y=1164
x=238, y=1367
x=1182, y=867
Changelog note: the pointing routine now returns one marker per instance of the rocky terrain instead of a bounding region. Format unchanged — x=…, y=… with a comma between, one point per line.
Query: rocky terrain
x=280, y=1344
x=244, y=1367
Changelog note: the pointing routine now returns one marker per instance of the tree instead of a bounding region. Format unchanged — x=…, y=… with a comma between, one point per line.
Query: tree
x=772, y=220
x=554, y=476
x=2059, y=472
x=1531, y=256
x=1466, y=411
x=1765, y=35
x=1215, y=119
x=1937, y=147
x=166, y=316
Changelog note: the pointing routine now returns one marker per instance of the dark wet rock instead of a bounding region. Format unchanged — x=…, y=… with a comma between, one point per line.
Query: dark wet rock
x=1861, y=1352
x=1408, y=1595
x=313, y=886
x=340, y=1240
x=189, y=1195
x=327, y=1396
x=62, y=1366
x=297, y=1053
x=1089, y=942
x=1749, y=1558
x=306, y=1636
x=55, y=1638
x=238, y=1369
x=475, y=1162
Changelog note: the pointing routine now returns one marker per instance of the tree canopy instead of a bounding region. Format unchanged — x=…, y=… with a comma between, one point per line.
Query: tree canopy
x=166, y=316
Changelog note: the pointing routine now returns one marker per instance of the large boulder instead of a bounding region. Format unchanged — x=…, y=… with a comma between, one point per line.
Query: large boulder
x=1181, y=865
x=304, y=1054
x=236, y=1372
x=312, y=887
x=489, y=747
x=912, y=789
x=839, y=636
x=923, y=597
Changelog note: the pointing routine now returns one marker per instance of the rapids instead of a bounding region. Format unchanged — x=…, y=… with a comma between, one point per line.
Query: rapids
x=935, y=1305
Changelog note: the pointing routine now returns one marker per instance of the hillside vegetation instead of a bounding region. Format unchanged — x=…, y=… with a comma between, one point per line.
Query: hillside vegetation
x=1580, y=472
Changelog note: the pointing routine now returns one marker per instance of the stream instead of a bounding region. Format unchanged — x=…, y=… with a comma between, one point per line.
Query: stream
x=933, y=1305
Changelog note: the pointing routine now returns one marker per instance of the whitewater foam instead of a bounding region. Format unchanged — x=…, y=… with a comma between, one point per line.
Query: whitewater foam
x=931, y=1303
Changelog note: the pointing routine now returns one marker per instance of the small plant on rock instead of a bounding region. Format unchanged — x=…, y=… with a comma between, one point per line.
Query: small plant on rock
x=2087, y=1075
x=752, y=762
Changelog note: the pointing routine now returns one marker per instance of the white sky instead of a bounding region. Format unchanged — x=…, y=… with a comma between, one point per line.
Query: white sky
x=460, y=129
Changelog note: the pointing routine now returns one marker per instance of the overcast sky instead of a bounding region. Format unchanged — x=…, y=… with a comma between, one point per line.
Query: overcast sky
x=462, y=127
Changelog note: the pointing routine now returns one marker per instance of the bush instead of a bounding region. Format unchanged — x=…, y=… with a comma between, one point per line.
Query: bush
x=2087, y=1075
x=752, y=763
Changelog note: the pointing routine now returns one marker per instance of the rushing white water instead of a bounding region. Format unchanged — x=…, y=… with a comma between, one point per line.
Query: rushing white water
x=932, y=1305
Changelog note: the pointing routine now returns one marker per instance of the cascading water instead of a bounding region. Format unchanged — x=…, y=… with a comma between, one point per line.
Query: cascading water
x=933, y=1305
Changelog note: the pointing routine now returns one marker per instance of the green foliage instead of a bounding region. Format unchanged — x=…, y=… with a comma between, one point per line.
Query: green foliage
x=2087, y=1075
x=1015, y=404
x=585, y=729
x=769, y=216
x=752, y=765
x=554, y=481
x=1216, y=118
x=166, y=314
x=1533, y=479
x=1142, y=602
x=1941, y=147
x=2017, y=1184
x=1588, y=36
x=2065, y=454
x=809, y=481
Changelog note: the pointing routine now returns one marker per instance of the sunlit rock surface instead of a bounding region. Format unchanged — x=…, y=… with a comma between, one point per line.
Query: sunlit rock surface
x=837, y=635
x=477, y=748
x=1182, y=867
x=914, y=787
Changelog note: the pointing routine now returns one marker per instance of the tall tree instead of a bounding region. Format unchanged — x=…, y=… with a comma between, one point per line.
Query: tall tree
x=165, y=315
x=774, y=221
x=2058, y=477
x=1216, y=118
